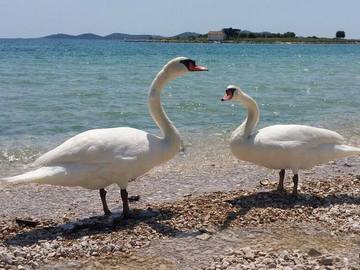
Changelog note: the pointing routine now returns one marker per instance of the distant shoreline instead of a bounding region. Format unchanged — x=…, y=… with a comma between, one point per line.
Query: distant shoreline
x=226, y=36
x=192, y=37
x=240, y=41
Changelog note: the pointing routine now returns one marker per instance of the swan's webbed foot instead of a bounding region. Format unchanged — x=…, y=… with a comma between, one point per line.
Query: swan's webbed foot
x=280, y=186
x=103, y=192
x=295, y=187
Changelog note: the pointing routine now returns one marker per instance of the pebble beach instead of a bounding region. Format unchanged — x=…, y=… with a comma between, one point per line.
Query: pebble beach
x=237, y=222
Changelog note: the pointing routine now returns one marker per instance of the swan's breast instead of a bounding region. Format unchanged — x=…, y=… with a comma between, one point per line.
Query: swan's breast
x=263, y=152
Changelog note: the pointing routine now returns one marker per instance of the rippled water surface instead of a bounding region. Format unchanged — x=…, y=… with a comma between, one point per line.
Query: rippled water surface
x=53, y=89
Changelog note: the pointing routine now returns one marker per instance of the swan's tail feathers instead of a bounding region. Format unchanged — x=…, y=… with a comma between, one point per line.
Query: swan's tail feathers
x=347, y=150
x=43, y=175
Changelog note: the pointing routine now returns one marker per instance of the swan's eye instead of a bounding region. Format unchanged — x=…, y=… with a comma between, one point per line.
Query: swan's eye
x=230, y=91
x=188, y=63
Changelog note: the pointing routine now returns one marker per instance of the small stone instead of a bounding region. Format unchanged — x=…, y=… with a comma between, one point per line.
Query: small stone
x=326, y=261
x=7, y=259
x=313, y=252
x=264, y=182
x=267, y=260
x=52, y=254
x=27, y=222
x=107, y=248
x=284, y=255
x=19, y=253
x=248, y=253
x=210, y=230
x=204, y=236
x=84, y=243
x=34, y=264
x=229, y=251
x=299, y=267
x=225, y=265
x=272, y=265
x=238, y=251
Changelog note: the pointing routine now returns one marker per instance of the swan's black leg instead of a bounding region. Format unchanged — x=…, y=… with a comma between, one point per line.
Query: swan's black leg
x=295, y=187
x=124, y=198
x=281, y=180
x=103, y=200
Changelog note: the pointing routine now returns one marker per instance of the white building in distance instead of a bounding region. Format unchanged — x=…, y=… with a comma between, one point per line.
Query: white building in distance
x=216, y=36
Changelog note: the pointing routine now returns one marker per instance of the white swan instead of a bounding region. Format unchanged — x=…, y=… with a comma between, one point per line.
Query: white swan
x=98, y=158
x=283, y=146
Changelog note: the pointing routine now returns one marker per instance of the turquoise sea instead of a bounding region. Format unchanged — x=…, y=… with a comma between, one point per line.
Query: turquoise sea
x=53, y=89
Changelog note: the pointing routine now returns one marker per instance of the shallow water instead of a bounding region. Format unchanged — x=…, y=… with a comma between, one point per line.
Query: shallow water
x=53, y=89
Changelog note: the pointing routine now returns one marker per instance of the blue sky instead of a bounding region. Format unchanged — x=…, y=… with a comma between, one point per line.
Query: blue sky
x=34, y=18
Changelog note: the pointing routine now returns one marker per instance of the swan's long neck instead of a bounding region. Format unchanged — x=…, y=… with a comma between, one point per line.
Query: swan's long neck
x=252, y=118
x=171, y=134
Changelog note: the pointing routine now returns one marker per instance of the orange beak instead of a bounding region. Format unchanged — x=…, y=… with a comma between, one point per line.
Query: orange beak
x=228, y=95
x=197, y=68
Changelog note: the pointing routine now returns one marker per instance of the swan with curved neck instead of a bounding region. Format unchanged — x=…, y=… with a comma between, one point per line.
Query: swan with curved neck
x=98, y=158
x=283, y=147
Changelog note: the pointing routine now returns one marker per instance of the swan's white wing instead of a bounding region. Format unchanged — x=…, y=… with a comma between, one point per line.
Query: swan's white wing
x=98, y=146
x=292, y=136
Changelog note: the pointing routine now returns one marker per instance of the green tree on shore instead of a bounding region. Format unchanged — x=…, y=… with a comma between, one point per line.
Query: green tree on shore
x=340, y=34
x=231, y=32
x=289, y=35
